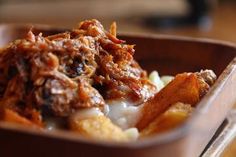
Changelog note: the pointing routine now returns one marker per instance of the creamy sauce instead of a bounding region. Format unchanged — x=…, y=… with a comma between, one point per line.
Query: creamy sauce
x=156, y=80
x=166, y=79
x=87, y=113
x=123, y=113
x=132, y=134
x=159, y=82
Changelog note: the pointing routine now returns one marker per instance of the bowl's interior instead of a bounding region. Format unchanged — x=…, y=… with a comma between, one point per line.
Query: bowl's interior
x=172, y=55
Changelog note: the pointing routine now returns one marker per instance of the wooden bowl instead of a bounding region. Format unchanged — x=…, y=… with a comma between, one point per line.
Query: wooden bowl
x=168, y=55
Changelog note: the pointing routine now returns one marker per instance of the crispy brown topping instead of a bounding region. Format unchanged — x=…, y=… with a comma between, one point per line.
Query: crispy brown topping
x=71, y=70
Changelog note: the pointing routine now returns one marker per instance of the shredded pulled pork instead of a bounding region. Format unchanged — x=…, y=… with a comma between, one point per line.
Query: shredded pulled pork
x=62, y=73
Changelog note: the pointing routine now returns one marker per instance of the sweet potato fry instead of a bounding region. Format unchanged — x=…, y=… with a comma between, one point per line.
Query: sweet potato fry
x=168, y=120
x=98, y=127
x=184, y=88
x=9, y=115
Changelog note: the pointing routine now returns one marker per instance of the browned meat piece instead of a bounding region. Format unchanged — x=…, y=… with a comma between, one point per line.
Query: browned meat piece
x=208, y=76
x=65, y=72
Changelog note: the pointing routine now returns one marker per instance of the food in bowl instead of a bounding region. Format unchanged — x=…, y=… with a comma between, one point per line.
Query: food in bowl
x=86, y=80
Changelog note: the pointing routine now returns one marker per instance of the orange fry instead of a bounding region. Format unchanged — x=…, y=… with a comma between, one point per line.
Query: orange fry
x=168, y=120
x=98, y=127
x=185, y=88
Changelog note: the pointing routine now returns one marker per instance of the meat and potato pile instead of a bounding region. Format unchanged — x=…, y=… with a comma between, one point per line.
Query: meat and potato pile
x=57, y=76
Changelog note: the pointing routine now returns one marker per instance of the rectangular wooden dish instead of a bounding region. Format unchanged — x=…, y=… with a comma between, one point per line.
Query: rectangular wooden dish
x=168, y=55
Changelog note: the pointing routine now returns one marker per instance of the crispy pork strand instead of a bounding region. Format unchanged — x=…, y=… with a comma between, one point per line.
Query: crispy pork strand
x=186, y=88
x=62, y=73
x=8, y=115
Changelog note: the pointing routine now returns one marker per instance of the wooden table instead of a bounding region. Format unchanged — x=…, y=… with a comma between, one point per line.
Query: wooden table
x=223, y=26
x=128, y=15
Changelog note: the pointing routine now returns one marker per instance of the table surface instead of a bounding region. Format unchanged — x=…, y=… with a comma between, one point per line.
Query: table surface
x=230, y=151
x=223, y=26
x=127, y=14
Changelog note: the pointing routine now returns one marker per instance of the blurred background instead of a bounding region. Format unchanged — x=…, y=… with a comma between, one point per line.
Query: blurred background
x=198, y=18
